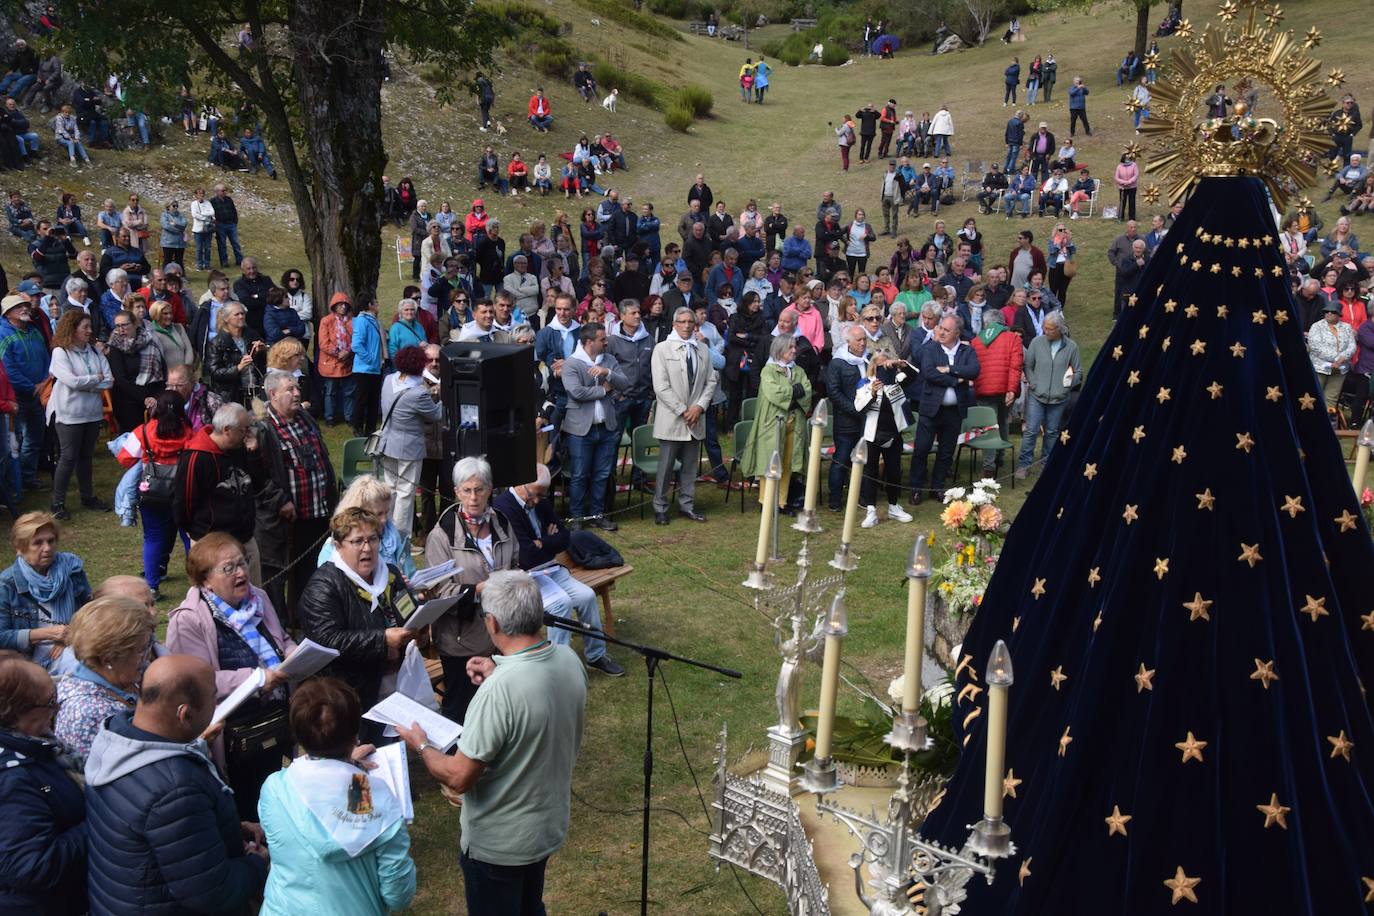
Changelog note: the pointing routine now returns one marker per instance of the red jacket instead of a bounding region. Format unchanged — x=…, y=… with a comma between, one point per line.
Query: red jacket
x=174, y=299
x=999, y=365
x=9, y=402
x=539, y=106
x=161, y=451
x=475, y=222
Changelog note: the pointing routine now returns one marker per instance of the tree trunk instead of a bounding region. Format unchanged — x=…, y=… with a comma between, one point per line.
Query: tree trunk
x=337, y=64
x=1142, y=27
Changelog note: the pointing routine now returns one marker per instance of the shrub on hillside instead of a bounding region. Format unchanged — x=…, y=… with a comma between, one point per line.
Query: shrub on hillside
x=618, y=12
x=608, y=77
x=792, y=50
x=678, y=117
x=526, y=17
x=696, y=98
x=556, y=58
x=673, y=9
x=833, y=54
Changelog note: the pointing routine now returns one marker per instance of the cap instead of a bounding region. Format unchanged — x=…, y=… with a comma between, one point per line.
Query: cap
x=30, y=287
x=925, y=165
x=1044, y=124
x=683, y=275
x=10, y=302
x=1328, y=307
x=892, y=162
x=813, y=283
x=478, y=203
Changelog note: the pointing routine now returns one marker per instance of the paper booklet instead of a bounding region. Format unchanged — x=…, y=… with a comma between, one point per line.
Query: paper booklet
x=240, y=694
x=432, y=575
x=393, y=770
x=399, y=709
x=309, y=657
x=430, y=611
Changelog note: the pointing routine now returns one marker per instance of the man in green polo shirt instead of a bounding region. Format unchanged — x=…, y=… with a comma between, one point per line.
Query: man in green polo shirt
x=515, y=759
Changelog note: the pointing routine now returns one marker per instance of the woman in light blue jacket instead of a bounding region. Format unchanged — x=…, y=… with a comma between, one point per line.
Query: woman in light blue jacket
x=336, y=830
x=369, y=352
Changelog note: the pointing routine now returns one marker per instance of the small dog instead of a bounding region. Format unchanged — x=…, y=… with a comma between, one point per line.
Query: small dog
x=608, y=102
x=500, y=129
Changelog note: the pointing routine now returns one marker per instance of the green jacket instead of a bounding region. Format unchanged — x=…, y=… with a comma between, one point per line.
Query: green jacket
x=775, y=397
x=1045, y=374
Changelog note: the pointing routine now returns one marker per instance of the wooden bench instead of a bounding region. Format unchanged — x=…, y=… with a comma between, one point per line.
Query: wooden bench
x=801, y=25
x=697, y=28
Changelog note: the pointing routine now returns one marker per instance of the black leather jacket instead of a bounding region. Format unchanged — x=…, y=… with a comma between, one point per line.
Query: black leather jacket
x=222, y=366
x=335, y=614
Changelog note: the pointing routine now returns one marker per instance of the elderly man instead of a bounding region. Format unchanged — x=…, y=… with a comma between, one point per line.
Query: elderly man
x=727, y=271
x=522, y=285
x=226, y=225
x=542, y=537
x=164, y=835
x=218, y=477
x=593, y=380
x=1349, y=179
x=684, y=383
x=515, y=758
x=251, y=289
x=948, y=368
x=1052, y=366
x=298, y=495
x=200, y=402
x=1129, y=270
x=1118, y=251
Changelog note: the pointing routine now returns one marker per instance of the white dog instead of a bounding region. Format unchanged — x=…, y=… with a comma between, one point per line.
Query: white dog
x=608, y=102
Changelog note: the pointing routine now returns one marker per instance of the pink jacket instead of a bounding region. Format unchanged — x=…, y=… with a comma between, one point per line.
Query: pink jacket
x=1127, y=174
x=811, y=325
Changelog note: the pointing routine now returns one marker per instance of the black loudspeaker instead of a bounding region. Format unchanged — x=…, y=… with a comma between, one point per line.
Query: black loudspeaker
x=491, y=402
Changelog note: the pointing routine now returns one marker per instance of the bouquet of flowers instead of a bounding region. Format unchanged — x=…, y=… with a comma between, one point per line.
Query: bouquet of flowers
x=1367, y=505
x=975, y=526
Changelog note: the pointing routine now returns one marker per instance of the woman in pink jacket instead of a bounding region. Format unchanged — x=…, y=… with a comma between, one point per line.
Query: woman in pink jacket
x=1127, y=175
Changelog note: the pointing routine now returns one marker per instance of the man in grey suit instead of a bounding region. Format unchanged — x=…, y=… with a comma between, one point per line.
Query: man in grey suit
x=592, y=379
x=684, y=382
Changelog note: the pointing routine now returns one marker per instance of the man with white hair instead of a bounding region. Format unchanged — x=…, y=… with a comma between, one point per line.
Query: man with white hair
x=542, y=536
x=1349, y=179
x=515, y=758
x=684, y=383
x=218, y=479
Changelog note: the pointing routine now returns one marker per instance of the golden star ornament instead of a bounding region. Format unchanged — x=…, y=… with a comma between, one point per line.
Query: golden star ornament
x=1009, y=784
x=1274, y=813
x=1191, y=748
x=1182, y=887
x=1249, y=553
x=1199, y=608
x=1264, y=672
x=1057, y=677
x=1205, y=499
x=1116, y=821
x=1340, y=746
x=1144, y=678
x=1065, y=741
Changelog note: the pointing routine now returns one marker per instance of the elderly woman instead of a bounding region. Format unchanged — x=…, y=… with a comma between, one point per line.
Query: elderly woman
x=40, y=593
x=743, y=332
x=170, y=337
x=355, y=603
x=480, y=541
x=137, y=365
x=117, y=286
x=236, y=358
x=784, y=400
x=1049, y=357
x=335, y=349
x=1331, y=347
x=374, y=495
x=109, y=638
x=230, y=624
x=406, y=330
x=161, y=440
x=323, y=859
x=79, y=299
x=408, y=408
x=43, y=844
x=135, y=219
x=80, y=373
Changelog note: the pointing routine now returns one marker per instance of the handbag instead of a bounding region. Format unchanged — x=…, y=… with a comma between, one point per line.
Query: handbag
x=373, y=448
x=248, y=738
x=1070, y=269
x=158, y=482
x=44, y=390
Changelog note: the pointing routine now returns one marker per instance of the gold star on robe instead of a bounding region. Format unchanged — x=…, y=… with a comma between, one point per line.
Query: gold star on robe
x=1237, y=349
x=969, y=692
x=1236, y=271
x=1065, y=741
x=1340, y=746
x=1264, y=672
x=1025, y=871
x=1368, y=621
x=1179, y=454
x=1064, y=437
x=1038, y=589
x=1229, y=242
x=1369, y=886
x=1215, y=389
x=1249, y=553
x=1131, y=513
x=1191, y=748
x=1182, y=886
x=1095, y=577
x=1281, y=316
x=1116, y=822
x=1274, y=813
x=1258, y=316
x=1196, y=266
x=1191, y=311
x=1132, y=299
x=1273, y=393
x=1161, y=567
x=1170, y=305
x=1144, y=331
x=1215, y=268
x=1143, y=678
x=1205, y=499
x=1259, y=273
x=1117, y=351
x=1345, y=520
x=1090, y=471
x=1009, y=784
x=1097, y=621
x=1315, y=607
x=1133, y=378
x=1164, y=344
x=1015, y=622
x=1276, y=270
x=1292, y=505
x=1137, y=434
x=1198, y=347
x=1198, y=607
x=1163, y=395
x=1307, y=401
x=1242, y=242
x=1057, y=677
x=1245, y=441
x=1222, y=311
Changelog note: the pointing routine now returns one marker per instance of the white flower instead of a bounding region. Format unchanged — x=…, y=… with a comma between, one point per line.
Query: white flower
x=895, y=689
x=953, y=493
x=980, y=498
x=941, y=694
x=988, y=483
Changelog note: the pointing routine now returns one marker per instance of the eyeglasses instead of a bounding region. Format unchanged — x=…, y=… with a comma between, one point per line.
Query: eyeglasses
x=873, y=318
x=228, y=569
x=359, y=543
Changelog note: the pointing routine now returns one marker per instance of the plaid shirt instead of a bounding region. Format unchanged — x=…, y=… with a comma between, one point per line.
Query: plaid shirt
x=304, y=457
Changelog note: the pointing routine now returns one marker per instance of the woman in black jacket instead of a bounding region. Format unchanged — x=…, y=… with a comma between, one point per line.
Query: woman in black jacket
x=236, y=358
x=743, y=332
x=356, y=603
x=137, y=364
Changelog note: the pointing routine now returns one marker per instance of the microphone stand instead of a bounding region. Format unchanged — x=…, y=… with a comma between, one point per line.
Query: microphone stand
x=652, y=658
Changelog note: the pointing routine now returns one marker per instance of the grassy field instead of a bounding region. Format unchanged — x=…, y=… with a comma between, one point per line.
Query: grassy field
x=684, y=594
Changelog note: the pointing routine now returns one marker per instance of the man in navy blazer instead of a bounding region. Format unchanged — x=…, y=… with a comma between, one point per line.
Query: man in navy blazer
x=948, y=368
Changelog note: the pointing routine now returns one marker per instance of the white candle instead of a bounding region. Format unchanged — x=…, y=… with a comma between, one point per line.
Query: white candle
x=836, y=626
x=857, y=460
x=1366, y=440
x=770, y=485
x=999, y=680
x=917, y=573
x=813, y=460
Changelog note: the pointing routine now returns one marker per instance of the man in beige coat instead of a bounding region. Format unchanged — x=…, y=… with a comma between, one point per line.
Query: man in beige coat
x=684, y=382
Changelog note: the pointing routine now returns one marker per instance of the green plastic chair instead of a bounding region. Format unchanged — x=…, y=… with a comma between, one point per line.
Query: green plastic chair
x=355, y=462
x=749, y=408
x=738, y=440
x=644, y=456
x=992, y=439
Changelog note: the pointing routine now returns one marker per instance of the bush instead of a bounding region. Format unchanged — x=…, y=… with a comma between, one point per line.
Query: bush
x=556, y=58
x=678, y=117
x=618, y=12
x=527, y=17
x=695, y=98
x=834, y=54
x=792, y=50
x=673, y=9
x=641, y=88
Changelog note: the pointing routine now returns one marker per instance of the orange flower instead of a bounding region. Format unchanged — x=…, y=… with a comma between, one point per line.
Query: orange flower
x=989, y=518
x=954, y=514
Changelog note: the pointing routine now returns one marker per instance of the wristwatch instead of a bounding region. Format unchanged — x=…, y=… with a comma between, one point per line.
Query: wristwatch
x=426, y=744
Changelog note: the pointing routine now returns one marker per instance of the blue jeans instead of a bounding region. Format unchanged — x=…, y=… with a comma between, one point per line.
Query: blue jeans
x=28, y=143
x=1013, y=153
x=1040, y=414
x=543, y=123
x=76, y=151
x=1010, y=201
x=228, y=231
x=1031, y=91
x=503, y=890
x=1141, y=115
x=203, y=248
x=576, y=599
x=260, y=159
x=941, y=142
x=159, y=534
x=15, y=84
x=98, y=130
x=338, y=390
x=839, y=466
x=592, y=457
x=30, y=428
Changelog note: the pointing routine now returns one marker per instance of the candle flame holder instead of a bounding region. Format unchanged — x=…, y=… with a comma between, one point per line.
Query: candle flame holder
x=908, y=733
x=845, y=559
x=807, y=523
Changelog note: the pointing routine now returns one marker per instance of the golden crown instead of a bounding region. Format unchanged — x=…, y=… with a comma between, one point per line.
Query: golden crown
x=1283, y=151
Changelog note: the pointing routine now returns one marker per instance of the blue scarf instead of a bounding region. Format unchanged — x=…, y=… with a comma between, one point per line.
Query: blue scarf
x=53, y=589
x=245, y=621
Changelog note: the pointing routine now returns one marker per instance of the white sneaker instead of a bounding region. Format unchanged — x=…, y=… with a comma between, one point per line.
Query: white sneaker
x=894, y=510
x=871, y=519
x=1074, y=216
